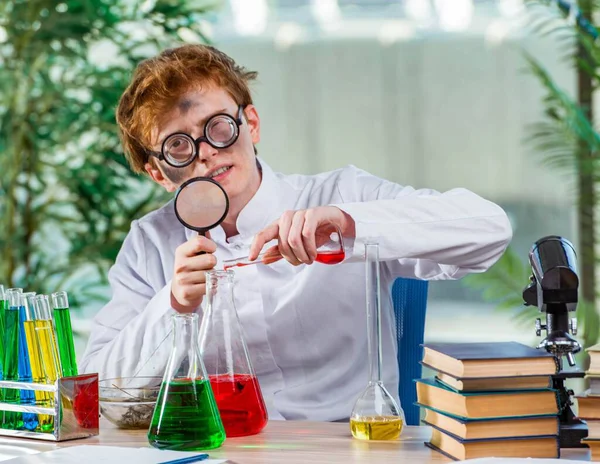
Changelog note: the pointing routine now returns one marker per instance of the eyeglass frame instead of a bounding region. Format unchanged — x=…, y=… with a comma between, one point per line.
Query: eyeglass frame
x=203, y=138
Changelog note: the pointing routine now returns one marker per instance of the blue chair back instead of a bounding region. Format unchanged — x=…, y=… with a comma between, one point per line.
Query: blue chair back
x=409, y=297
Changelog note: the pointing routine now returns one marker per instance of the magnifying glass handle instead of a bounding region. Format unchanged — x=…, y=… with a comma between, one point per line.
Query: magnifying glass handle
x=203, y=234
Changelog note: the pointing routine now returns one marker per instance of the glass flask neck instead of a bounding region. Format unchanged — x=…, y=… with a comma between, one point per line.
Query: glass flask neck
x=185, y=362
x=222, y=344
x=373, y=311
x=219, y=290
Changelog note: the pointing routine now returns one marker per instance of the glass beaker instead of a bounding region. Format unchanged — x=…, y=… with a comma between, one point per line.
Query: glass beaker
x=186, y=415
x=225, y=356
x=375, y=416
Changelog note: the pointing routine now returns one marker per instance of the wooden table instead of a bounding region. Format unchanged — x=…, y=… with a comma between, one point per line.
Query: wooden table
x=282, y=443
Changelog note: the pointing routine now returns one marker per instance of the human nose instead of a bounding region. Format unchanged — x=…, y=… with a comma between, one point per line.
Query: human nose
x=206, y=151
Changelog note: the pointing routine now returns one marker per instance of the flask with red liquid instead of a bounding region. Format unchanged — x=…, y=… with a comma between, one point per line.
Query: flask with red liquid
x=225, y=356
x=330, y=250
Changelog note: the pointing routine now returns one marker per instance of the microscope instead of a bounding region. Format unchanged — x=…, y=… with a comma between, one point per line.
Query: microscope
x=553, y=289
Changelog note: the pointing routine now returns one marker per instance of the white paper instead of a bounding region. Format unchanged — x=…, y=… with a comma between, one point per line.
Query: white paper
x=92, y=454
x=519, y=461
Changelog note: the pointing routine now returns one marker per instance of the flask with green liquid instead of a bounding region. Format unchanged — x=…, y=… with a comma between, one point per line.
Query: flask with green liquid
x=186, y=415
x=64, y=334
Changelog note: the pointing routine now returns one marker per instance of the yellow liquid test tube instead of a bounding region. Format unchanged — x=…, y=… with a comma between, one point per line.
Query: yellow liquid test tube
x=47, y=338
x=49, y=349
x=38, y=374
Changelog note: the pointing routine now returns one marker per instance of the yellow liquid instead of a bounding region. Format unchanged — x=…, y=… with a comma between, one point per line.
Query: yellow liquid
x=48, y=349
x=376, y=428
x=44, y=399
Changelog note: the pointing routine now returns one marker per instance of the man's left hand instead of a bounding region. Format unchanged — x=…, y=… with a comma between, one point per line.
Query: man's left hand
x=301, y=232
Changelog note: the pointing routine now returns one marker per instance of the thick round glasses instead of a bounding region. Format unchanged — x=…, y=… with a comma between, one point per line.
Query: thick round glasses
x=220, y=131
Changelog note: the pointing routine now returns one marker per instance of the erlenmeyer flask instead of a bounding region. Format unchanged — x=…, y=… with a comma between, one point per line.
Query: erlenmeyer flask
x=186, y=415
x=226, y=359
x=375, y=416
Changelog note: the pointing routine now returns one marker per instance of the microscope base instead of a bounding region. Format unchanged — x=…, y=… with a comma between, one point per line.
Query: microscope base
x=572, y=434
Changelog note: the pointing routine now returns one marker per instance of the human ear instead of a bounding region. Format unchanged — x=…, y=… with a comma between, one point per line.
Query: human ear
x=253, y=123
x=158, y=176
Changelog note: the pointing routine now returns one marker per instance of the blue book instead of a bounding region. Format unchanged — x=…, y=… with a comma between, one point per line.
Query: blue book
x=535, y=382
x=491, y=359
x=492, y=427
x=486, y=404
x=538, y=446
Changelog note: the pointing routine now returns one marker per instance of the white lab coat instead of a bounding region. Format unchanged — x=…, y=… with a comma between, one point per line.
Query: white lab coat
x=305, y=326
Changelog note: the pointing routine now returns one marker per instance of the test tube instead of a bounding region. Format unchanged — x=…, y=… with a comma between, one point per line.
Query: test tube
x=38, y=374
x=30, y=421
x=64, y=334
x=47, y=338
x=3, y=307
x=12, y=420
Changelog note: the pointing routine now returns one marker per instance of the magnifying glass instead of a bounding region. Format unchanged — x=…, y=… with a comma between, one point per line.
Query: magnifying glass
x=201, y=204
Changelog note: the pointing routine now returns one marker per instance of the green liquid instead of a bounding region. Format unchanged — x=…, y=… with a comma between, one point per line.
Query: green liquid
x=64, y=337
x=186, y=417
x=3, y=309
x=12, y=420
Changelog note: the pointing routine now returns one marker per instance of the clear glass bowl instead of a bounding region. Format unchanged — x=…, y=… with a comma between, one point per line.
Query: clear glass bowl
x=128, y=402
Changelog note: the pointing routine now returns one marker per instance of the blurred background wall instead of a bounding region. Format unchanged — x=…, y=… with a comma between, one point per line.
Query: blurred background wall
x=432, y=94
x=429, y=93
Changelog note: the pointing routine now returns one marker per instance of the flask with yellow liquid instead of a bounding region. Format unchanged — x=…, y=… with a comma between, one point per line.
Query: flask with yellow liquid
x=375, y=416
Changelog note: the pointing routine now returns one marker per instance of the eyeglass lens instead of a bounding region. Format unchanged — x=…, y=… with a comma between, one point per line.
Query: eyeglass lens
x=220, y=131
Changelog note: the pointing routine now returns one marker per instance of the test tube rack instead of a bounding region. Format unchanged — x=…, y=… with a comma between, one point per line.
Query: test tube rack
x=75, y=408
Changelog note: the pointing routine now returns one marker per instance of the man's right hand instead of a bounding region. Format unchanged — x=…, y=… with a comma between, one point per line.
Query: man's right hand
x=189, y=281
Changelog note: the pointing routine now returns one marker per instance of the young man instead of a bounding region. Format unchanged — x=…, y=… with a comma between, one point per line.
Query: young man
x=188, y=112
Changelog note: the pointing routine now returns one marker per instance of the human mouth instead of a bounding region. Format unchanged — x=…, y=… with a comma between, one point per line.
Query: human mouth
x=219, y=173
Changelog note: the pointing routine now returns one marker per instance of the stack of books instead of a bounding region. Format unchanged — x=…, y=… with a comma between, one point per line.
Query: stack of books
x=490, y=400
x=589, y=403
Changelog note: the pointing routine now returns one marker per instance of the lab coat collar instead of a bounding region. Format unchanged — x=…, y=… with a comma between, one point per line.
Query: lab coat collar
x=262, y=209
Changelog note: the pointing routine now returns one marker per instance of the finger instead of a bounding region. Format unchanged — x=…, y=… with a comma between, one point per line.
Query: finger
x=266, y=235
x=192, y=278
x=295, y=238
x=197, y=244
x=272, y=252
x=194, y=263
x=309, y=231
x=196, y=292
x=271, y=259
x=285, y=223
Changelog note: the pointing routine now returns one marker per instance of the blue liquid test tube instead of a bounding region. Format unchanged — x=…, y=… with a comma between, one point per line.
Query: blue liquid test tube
x=30, y=421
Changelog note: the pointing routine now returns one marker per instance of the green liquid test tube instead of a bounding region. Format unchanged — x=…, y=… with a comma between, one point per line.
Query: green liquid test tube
x=3, y=308
x=64, y=334
x=12, y=420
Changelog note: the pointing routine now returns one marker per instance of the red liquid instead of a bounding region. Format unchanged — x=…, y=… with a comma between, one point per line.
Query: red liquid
x=325, y=257
x=85, y=404
x=331, y=257
x=240, y=404
x=235, y=265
